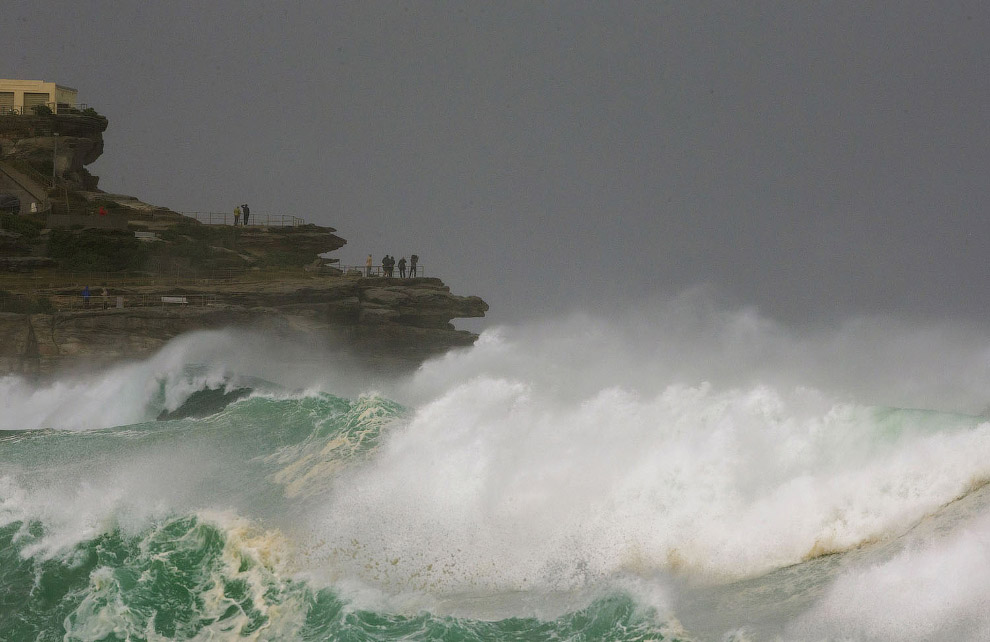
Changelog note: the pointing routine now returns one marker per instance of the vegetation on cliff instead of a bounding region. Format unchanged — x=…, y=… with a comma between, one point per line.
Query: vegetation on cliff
x=146, y=258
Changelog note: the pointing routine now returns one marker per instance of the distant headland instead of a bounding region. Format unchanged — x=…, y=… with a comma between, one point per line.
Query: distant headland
x=88, y=278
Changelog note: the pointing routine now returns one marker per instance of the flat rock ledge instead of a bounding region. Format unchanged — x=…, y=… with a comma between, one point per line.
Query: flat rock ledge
x=382, y=324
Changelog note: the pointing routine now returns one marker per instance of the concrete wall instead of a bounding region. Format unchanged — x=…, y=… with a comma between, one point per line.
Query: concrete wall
x=56, y=93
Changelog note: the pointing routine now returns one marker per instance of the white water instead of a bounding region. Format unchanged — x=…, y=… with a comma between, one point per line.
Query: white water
x=681, y=443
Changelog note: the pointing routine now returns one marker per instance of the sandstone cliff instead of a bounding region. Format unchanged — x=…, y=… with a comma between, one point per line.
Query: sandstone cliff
x=32, y=140
x=267, y=277
x=381, y=323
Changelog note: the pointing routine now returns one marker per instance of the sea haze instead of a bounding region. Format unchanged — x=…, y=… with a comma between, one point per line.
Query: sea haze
x=816, y=161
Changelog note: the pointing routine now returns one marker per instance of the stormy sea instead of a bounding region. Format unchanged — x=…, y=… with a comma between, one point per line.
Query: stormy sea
x=677, y=473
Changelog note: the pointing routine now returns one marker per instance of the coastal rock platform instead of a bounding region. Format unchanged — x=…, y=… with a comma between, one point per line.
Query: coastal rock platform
x=384, y=324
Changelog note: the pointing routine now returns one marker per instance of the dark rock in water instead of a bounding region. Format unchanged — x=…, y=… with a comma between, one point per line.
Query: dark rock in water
x=204, y=403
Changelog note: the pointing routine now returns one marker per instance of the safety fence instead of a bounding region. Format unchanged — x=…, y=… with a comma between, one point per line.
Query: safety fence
x=57, y=279
x=48, y=304
x=41, y=109
x=259, y=220
x=33, y=184
x=47, y=282
x=378, y=270
x=96, y=301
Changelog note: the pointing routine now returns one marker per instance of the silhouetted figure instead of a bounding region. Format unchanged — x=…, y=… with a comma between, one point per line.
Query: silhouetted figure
x=413, y=260
x=106, y=298
x=86, y=296
x=367, y=264
x=247, y=212
x=402, y=268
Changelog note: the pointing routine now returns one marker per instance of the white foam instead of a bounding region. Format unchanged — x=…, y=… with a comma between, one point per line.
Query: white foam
x=561, y=457
x=938, y=590
x=681, y=439
x=498, y=484
x=126, y=394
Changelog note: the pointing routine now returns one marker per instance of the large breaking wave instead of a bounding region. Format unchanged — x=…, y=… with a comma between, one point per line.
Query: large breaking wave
x=683, y=474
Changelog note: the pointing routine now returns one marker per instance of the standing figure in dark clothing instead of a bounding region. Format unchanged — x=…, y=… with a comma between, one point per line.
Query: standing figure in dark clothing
x=391, y=265
x=385, y=266
x=86, y=296
x=413, y=260
x=247, y=213
x=402, y=268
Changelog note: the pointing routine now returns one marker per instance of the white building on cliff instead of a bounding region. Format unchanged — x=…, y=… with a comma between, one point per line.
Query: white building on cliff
x=21, y=96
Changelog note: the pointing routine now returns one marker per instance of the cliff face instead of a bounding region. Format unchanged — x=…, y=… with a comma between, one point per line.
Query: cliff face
x=211, y=275
x=384, y=324
x=32, y=140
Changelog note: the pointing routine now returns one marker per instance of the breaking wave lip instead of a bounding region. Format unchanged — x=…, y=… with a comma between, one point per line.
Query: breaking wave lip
x=724, y=485
x=136, y=392
x=214, y=576
x=498, y=479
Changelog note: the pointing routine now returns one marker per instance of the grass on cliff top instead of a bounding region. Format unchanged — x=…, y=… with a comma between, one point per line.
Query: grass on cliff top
x=218, y=235
x=20, y=303
x=27, y=226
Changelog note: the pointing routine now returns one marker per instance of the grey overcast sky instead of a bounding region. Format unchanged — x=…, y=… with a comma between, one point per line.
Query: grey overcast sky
x=814, y=159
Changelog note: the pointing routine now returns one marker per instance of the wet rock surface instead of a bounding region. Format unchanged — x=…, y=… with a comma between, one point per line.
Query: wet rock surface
x=384, y=324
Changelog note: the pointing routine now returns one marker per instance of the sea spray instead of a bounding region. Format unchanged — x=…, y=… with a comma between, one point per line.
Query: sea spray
x=587, y=480
x=493, y=485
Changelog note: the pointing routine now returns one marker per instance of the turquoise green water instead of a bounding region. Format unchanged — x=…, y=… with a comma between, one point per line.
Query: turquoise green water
x=194, y=542
x=491, y=511
x=185, y=578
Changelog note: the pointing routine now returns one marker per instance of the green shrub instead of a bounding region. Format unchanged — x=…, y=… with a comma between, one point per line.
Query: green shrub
x=42, y=110
x=218, y=235
x=280, y=258
x=26, y=226
x=23, y=304
x=97, y=250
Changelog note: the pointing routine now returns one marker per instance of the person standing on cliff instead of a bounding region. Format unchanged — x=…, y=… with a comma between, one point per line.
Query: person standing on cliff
x=247, y=213
x=106, y=298
x=413, y=260
x=402, y=268
x=86, y=296
x=237, y=215
x=367, y=265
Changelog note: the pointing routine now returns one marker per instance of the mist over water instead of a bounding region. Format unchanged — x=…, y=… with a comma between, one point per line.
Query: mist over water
x=678, y=471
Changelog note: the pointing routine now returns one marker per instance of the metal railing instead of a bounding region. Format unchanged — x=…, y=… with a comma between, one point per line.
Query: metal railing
x=29, y=174
x=36, y=303
x=96, y=301
x=58, y=280
x=259, y=220
x=53, y=283
x=56, y=108
x=378, y=270
x=43, y=181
